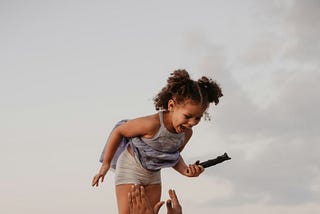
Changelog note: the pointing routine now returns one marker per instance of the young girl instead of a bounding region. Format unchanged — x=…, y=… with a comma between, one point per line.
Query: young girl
x=147, y=144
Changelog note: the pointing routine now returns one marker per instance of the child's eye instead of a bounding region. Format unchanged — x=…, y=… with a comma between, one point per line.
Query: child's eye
x=187, y=116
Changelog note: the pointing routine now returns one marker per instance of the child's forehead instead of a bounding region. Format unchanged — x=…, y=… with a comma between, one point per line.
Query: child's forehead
x=190, y=102
x=190, y=105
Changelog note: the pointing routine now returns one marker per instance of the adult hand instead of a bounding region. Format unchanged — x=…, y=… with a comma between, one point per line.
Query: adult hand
x=139, y=203
x=101, y=174
x=173, y=205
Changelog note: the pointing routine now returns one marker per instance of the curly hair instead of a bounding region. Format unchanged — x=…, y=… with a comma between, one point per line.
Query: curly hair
x=181, y=87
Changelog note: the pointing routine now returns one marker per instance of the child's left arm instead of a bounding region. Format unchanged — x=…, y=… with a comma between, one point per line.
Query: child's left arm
x=193, y=170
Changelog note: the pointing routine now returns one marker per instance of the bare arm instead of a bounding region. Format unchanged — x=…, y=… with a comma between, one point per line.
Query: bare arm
x=142, y=126
x=191, y=170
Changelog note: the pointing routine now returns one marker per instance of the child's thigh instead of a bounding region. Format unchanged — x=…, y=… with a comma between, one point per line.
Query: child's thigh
x=153, y=192
x=122, y=191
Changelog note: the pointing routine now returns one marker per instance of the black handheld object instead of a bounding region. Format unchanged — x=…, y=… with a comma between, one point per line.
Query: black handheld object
x=215, y=161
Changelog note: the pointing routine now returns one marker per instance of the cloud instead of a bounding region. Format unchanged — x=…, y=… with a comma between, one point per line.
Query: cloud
x=273, y=146
x=264, y=50
x=264, y=54
x=302, y=24
x=274, y=152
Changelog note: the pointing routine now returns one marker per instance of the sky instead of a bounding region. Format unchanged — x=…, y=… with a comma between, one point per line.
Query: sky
x=69, y=70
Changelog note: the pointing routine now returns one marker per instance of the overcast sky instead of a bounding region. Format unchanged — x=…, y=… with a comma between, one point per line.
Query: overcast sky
x=71, y=69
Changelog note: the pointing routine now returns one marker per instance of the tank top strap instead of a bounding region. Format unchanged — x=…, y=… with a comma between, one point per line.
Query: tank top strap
x=161, y=118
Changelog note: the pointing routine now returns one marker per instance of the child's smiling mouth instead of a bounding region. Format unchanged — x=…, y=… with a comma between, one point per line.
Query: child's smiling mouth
x=181, y=128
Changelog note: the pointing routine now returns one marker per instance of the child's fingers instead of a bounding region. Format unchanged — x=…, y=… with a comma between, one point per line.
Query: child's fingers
x=201, y=168
x=194, y=170
x=94, y=181
x=191, y=170
x=97, y=181
x=197, y=169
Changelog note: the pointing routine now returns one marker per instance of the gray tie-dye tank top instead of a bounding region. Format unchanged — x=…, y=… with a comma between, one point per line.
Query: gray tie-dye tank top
x=160, y=151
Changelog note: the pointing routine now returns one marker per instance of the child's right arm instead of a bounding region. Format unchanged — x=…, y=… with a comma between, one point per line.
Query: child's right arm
x=137, y=127
x=112, y=145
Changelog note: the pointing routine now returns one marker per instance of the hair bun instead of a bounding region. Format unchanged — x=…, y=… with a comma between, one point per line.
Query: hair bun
x=212, y=88
x=179, y=76
x=204, y=81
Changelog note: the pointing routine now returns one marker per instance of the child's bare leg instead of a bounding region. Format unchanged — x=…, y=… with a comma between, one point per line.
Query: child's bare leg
x=153, y=192
x=122, y=191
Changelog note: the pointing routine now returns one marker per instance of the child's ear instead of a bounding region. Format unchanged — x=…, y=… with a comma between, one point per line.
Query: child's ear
x=171, y=104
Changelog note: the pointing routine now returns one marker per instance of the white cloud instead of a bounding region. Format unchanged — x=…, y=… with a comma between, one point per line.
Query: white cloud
x=68, y=77
x=303, y=31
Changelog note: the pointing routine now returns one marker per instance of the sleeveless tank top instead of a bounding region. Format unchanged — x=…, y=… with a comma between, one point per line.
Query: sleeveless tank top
x=160, y=151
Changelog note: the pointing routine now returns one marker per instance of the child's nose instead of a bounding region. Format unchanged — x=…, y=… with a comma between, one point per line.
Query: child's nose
x=192, y=123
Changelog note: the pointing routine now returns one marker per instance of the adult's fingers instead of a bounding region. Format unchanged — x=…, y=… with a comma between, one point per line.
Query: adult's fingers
x=142, y=193
x=130, y=202
x=173, y=196
x=169, y=205
x=157, y=207
x=134, y=194
x=175, y=205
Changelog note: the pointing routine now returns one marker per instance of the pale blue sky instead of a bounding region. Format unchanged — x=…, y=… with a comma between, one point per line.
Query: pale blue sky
x=70, y=69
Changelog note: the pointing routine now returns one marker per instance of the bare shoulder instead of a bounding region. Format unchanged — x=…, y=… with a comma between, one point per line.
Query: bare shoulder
x=141, y=126
x=151, y=124
x=148, y=122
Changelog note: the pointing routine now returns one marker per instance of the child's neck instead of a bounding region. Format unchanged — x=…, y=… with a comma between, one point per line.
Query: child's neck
x=167, y=121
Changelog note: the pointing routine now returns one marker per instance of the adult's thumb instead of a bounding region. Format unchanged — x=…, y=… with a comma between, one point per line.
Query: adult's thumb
x=157, y=207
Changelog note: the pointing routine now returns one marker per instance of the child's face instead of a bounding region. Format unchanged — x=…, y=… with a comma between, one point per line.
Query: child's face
x=185, y=115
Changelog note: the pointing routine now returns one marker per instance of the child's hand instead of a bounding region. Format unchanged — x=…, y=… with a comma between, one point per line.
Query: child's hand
x=194, y=170
x=102, y=172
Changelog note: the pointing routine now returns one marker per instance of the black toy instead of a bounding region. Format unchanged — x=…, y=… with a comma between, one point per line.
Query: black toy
x=215, y=161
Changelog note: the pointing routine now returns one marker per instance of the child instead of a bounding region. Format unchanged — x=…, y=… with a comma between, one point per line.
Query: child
x=147, y=144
